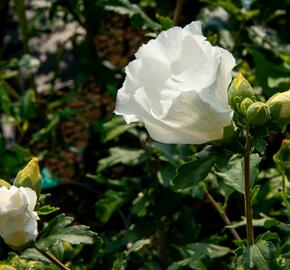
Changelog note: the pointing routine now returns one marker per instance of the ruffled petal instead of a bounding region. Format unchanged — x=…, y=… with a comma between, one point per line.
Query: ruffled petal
x=165, y=48
x=194, y=28
x=191, y=115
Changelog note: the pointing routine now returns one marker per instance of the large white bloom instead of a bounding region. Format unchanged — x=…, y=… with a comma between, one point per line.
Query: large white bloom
x=177, y=86
x=18, y=221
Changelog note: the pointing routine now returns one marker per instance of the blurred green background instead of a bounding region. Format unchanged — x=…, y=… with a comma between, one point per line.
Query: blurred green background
x=61, y=64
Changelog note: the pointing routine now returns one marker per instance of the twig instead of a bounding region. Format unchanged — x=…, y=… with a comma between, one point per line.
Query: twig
x=177, y=11
x=53, y=259
x=221, y=213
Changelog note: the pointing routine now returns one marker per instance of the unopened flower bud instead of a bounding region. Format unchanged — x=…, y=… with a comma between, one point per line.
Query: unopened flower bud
x=279, y=106
x=282, y=157
x=245, y=104
x=258, y=114
x=239, y=90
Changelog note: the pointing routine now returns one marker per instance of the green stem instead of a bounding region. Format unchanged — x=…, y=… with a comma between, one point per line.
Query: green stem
x=52, y=259
x=247, y=191
x=284, y=191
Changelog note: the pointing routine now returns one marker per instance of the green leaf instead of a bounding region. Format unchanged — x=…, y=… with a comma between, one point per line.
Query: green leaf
x=273, y=71
x=194, y=253
x=29, y=176
x=254, y=192
x=268, y=236
x=5, y=102
x=114, y=128
x=165, y=22
x=137, y=246
x=28, y=105
x=109, y=204
x=49, y=130
x=122, y=259
x=58, y=229
x=125, y=156
x=46, y=210
x=211, y=250
x=191, y=173
x=140, y=204
x=233, y=176
x=166, y=174
x=133, y=11
x=261, y=255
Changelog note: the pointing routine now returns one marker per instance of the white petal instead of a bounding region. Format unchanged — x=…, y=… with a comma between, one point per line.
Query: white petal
x=190, y=115
x=126, y=106
x=149, y=74
x=4, y=198
x=224, y=77
x=165, y=48
x=194, y=28
x=30, y=196
x=192, y=54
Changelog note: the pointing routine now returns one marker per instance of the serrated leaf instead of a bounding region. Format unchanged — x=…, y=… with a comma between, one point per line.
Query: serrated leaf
x=124, y=156
x=58, y=230
x=46, y=210
x=261, y=255
x=233, y=176
x=190, y=173
x=29, y=176
x=33, y=254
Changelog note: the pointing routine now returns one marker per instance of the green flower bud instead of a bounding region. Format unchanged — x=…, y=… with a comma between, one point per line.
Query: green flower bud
x=29, y=176
x=282, y=157
x=279, y=106
x=245, y=104
x=258, y=114
x=238, y=91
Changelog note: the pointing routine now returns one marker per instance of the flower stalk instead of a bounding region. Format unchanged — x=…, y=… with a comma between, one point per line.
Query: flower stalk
x=247, y=191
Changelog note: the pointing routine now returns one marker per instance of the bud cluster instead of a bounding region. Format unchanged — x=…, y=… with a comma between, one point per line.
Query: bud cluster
x=242, y=101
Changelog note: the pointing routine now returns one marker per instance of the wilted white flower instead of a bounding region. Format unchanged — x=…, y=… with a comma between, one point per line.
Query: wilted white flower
x=177, y=86
x=18, y=221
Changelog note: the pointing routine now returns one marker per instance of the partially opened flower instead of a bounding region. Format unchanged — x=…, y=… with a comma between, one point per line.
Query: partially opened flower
x=18, y=221
x=177, y=86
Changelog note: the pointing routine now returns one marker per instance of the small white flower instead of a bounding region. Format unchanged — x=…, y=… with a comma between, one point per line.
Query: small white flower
x=177, y=86
x=18, y=221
